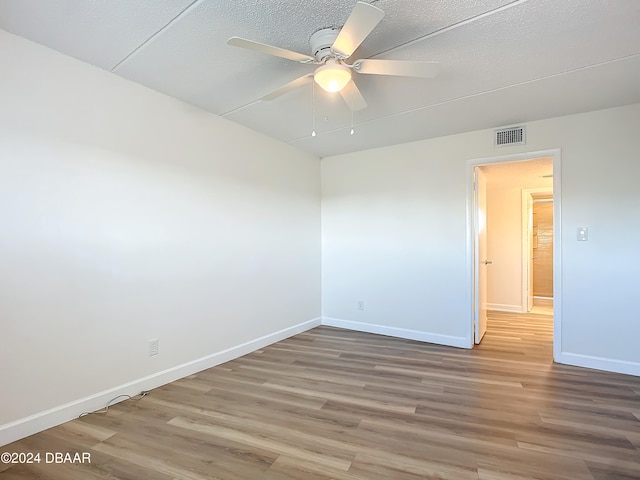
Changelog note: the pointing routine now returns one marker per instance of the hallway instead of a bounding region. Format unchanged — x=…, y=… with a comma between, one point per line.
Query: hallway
x=520, y=336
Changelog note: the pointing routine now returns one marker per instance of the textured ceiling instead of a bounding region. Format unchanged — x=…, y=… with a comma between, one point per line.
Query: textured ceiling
x=501, y=62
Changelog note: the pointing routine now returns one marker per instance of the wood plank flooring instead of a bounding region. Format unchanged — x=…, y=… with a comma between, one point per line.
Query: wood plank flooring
x=335, y=404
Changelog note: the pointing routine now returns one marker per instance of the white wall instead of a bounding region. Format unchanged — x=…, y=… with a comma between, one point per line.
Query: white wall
x=394, y=235
x=128, y=216
x=393, y=223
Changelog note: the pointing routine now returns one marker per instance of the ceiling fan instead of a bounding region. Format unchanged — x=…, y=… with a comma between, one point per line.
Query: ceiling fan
x=331, y=48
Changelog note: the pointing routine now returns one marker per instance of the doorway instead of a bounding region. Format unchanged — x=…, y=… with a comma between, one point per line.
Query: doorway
x=537, y=249
x=542, y=258
x=479, y=267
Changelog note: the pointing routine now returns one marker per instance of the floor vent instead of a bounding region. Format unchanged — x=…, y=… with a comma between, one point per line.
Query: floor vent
x=510, y=136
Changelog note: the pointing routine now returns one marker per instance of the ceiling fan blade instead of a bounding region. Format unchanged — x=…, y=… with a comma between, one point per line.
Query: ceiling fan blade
x=405, y=68
x=353, y=97
x=361, y=22
x=298, y=82
x=270, y=50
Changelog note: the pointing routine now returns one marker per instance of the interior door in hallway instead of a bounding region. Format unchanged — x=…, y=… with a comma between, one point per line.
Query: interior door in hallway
x=481, y=261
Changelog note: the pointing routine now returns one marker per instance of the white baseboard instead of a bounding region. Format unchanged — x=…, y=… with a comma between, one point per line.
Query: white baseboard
x=542, y=301
x=460, y=342
x=499, y=307
x=599, y=363
x=38, y=422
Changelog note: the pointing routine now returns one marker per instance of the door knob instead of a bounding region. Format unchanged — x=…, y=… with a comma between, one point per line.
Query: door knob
x=487, y=262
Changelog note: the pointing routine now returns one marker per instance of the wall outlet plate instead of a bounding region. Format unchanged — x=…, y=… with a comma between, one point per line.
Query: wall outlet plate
x=154, y=347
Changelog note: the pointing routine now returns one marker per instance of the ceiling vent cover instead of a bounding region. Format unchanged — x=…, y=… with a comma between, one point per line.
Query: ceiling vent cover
x=510, y=136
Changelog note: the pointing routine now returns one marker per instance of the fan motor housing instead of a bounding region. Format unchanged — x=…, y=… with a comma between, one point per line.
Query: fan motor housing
x=321, y=42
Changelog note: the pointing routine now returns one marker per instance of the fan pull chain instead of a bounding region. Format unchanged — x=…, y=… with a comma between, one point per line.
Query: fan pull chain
x=352, y=131
x=313, y=109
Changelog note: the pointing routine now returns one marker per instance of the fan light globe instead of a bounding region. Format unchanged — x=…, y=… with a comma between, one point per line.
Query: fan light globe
x=332, y=76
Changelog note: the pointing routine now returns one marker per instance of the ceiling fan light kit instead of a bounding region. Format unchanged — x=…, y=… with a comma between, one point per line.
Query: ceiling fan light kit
x=332, y=76
x=331, y=47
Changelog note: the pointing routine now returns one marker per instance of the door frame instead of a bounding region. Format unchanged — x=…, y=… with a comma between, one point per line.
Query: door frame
x=527, y=227
x=555, y=155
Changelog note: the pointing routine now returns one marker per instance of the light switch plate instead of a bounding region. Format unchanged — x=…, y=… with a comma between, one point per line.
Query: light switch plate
x=583, y=234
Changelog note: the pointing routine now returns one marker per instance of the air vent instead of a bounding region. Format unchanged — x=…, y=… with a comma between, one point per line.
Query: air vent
x=510, y=136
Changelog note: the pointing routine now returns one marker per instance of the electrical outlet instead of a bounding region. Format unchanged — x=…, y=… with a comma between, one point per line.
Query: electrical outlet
x=360, y=304
x=153, y=347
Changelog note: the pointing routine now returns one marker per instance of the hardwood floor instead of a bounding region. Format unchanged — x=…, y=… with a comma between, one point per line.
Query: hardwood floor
x=335, y=404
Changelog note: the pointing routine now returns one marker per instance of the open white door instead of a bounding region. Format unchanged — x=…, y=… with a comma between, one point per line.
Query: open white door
x=527, y=235
x=481, y=261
